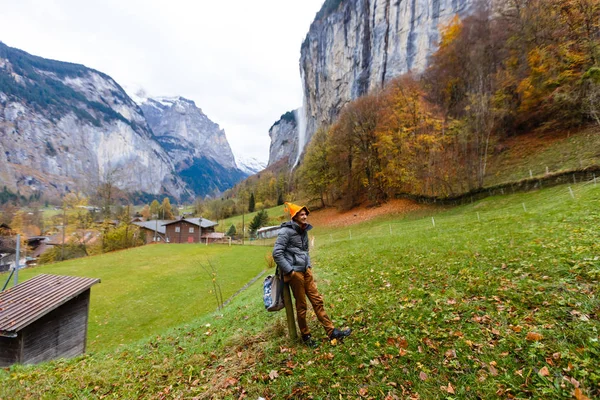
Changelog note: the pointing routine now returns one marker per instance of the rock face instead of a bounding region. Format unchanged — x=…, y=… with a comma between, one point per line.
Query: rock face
x=186, y=132
x=198, y=147
x=67, y=127
x=355, y=46
x=284, y=139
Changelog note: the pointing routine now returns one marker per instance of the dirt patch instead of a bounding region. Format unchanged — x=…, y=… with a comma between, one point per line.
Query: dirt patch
x=333, y=218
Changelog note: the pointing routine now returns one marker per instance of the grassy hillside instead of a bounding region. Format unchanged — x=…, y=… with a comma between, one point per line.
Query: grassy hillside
x=542, y=152
x=497, y=299
x=152, y=288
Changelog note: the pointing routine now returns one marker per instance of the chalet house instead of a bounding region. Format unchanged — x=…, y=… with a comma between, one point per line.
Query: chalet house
x=44, y=318
x=184, y=230
x=153, y=231
x=192, y=230
x=8, y=245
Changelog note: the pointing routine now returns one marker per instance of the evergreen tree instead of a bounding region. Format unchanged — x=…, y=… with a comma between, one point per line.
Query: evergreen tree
x=231, y=231
x=251, y=203
x=260, y=219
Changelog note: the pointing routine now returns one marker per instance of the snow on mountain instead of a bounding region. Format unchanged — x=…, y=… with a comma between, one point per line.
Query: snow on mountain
x=249, y=165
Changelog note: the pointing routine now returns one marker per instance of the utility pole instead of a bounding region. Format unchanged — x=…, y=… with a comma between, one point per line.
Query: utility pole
x=62, y=250
x=243, y=213
x=17, y=257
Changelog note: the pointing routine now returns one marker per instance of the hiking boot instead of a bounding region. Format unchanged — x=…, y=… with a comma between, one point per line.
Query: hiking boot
x=308, y=341
x=339, y=334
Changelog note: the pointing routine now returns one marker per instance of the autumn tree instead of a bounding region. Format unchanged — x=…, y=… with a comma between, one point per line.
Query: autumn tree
x=107, y=191
x=353, y=154
x=461, y=80
x=146, y=214
x=155, y=209
x=166, y=209
x=316, y=172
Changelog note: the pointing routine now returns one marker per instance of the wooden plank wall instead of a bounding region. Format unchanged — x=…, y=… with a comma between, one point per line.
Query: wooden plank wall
x=9, y=351
x=60, y=334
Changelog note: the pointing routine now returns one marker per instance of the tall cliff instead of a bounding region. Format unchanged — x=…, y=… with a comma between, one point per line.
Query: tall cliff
x=197, y=146
x=66, y=127
x=355, y=46
x=284, y=139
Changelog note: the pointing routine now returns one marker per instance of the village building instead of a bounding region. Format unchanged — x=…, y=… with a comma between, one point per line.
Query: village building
x=44, y=318
x=184, y=230
x=153, y=231
x=192, y=230
x=268, y=232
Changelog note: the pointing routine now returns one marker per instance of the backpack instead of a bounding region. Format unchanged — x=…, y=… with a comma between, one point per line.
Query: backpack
x=273, y=292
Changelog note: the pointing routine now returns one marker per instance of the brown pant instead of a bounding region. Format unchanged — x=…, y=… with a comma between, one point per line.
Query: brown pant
x=303, y=286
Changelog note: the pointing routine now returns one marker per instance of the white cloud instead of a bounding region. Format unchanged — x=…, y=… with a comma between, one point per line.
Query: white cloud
x=238, y=60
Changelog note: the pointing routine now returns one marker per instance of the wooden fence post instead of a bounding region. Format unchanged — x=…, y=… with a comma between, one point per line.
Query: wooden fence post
x=289, y=312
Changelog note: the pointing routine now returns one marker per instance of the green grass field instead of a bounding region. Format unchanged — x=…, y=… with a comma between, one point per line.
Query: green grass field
x=275, y=214
x=152, y=288
x=497, y=299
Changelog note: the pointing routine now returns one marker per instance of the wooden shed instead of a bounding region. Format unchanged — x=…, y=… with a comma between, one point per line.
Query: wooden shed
x=44, y=318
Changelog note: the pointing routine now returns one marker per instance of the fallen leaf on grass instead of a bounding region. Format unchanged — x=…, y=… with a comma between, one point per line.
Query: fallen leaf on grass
x=430, y=343
x=572, y=381
x=534, y=337
x=579, y=395
x=229, y=382
x=450, y=353
x=448, y=389
x=423, y=376
x=544, y=371
x=363, y=392
x=273, y=375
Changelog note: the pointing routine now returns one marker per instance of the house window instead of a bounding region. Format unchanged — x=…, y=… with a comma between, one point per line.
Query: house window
x=177, y=229
x=191, y=229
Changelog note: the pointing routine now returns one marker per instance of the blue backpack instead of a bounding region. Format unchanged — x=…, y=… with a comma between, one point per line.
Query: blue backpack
x=273, y=292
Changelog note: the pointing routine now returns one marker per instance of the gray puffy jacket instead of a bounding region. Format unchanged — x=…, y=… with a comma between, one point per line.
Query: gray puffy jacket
x=291, y=248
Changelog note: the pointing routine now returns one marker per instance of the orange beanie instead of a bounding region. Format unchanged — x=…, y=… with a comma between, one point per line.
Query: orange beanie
x=294, y=209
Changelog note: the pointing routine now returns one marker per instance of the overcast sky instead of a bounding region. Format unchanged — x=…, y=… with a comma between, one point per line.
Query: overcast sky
x=237, y=59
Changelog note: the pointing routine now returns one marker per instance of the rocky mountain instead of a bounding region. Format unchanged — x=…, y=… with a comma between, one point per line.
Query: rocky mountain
x=67, y=127
x=284, y=139
x=198, y=146
x=250, y=166
x=356, y=46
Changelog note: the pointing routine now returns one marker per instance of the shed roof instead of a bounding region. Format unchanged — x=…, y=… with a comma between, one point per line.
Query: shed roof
x=201, y=222
x=268, y=228
x=29, y=301
x=154, y=225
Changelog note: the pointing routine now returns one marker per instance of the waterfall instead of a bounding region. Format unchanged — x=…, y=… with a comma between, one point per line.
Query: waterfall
x=301, y=118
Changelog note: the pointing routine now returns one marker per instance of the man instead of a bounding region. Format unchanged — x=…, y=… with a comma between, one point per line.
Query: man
x=291, y=255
